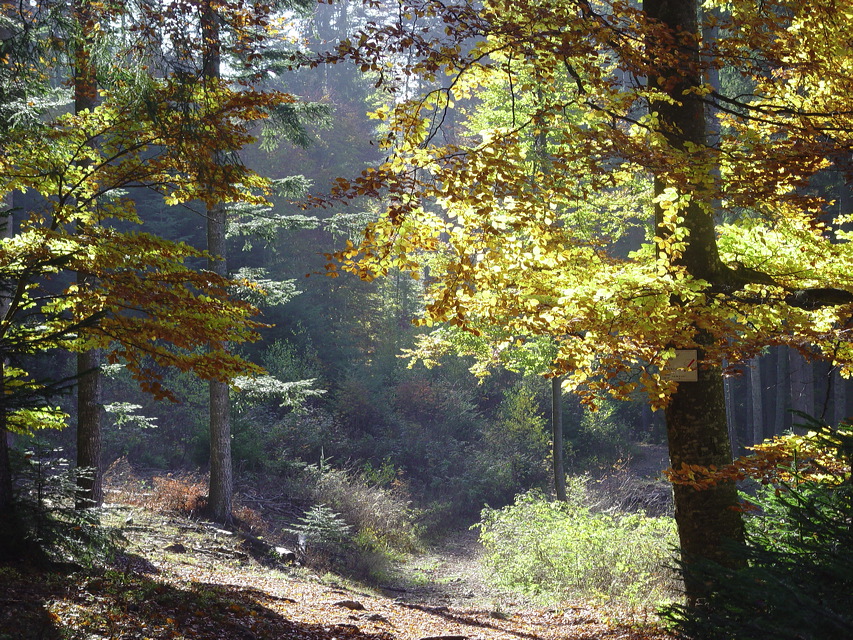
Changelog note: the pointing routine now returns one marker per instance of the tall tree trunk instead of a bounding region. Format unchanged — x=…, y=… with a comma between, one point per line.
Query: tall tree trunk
x=731, y=412
x=557, y=437
x=6, y=231
x=221, y=485
x=801, y=374
x=756, y=413
x=839, y=398
x=783, y=392
x=89, y=410
x=697, y=429
x=6, y=496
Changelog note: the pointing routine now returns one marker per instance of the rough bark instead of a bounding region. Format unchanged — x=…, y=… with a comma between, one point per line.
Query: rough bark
x=89, y=410
x=557, y=437
x=89, y=418
x=697, y=429
x=221, y=484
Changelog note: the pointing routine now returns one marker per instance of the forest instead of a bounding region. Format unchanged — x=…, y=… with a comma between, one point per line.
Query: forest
x=503, y=318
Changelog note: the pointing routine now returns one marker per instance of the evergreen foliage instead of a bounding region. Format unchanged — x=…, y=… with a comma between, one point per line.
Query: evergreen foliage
x=797, y=582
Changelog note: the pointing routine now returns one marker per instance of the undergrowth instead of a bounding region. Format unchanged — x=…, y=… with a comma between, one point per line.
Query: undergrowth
x=556, y=551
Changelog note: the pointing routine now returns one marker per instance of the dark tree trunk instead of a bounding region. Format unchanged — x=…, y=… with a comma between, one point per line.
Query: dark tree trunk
x=89, y=412
x=783, y=392
x=839, y=398
x=729, y=389
x=557, y=437
x=221, y=485
x=89, y=417
x=756, y=409
x=801, y=374
x=697, y=429
x=6, y=496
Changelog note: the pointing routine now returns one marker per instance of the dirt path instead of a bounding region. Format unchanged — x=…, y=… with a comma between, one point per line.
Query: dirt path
x=180, y=579
x=449, y=574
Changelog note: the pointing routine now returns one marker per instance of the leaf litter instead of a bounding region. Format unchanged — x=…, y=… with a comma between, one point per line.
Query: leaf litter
x=182, y=579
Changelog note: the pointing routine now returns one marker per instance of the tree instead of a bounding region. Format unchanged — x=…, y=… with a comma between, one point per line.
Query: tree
x=199, y=38
x=143, y=301
x=555, y=253
x=89, y=403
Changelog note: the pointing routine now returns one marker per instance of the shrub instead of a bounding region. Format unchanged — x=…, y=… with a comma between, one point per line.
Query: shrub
x=45, y=527
x=383, y=512
x=184, y=494
x=552, y=549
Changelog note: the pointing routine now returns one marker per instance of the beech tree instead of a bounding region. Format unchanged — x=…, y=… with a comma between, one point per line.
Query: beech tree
x=652, y=253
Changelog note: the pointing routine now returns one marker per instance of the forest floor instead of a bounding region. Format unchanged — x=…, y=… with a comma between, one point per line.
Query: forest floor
x=181, y=578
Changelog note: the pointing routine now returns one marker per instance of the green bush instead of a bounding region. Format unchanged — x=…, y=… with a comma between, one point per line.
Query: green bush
x=560, y=550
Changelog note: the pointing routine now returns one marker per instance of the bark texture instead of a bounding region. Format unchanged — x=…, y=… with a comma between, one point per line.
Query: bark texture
x=90, y=491
x=221, y=486
x=697, y=430
x=5, y=468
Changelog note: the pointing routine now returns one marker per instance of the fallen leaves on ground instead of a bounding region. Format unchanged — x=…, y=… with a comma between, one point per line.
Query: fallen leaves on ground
x=201, y=593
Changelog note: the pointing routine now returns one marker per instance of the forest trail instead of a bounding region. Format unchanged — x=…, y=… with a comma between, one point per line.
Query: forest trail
x=182, y=579
x=449, y=573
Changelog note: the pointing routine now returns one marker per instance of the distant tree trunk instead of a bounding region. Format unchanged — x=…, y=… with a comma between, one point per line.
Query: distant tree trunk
x=557, y=437
x=756, y=413
x=221, y=485
x=6, y=495
x=89, y=410
x=801, y=374
x=839, y=398
x=697, y=428
x=731, y=412
x=783, y=392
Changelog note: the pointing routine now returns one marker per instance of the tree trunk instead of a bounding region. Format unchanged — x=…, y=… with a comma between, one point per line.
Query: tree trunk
x=839, y=398
x=221, y=485
x=557, y=437
x=756, y=413
x=801, y=374
x=696, y=423
x=6, y=496
x=89, y=417
x=89, y=412
x=731, y=413
x=783, y=395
